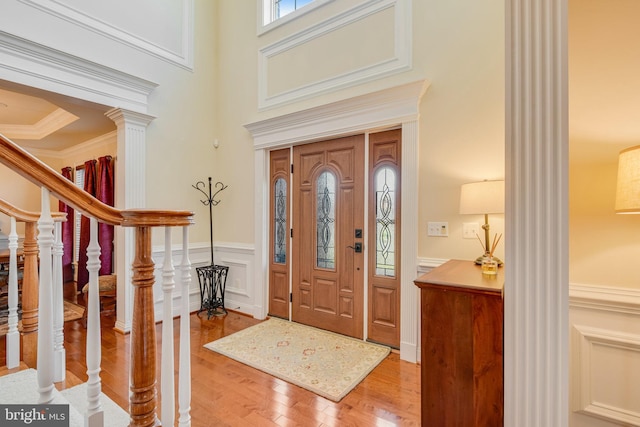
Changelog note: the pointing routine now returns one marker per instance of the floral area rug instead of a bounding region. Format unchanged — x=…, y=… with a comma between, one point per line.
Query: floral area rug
x=325, y=363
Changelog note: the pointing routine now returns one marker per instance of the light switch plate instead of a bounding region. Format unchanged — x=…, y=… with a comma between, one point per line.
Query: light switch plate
x=470, y=230
x=438, y=229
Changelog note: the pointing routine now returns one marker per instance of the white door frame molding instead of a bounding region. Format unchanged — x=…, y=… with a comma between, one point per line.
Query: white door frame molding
x=397, y=106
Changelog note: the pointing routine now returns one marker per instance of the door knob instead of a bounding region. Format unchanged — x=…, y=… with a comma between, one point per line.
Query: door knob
x=357, y=247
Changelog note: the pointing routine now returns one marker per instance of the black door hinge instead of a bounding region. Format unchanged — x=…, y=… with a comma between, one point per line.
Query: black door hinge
x=292, y=233
x=291, y=167
x=290, y=296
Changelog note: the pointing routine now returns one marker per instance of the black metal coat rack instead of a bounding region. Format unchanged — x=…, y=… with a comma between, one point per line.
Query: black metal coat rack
x=212, y=278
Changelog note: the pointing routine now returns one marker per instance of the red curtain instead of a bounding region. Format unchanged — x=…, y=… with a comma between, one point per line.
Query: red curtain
x=104, y=193
x=89, y=187
x=67, y=233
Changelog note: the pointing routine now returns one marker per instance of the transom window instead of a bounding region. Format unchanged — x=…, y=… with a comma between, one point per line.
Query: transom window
x=285, y=7
x=276, y=12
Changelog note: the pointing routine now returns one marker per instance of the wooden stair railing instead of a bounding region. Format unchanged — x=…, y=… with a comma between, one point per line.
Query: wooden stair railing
x=30, y=294
x=143, y=396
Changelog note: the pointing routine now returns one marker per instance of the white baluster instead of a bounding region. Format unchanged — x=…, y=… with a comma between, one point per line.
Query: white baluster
x=13, y=336
x=168, y=284
x=184, y=373
x=59, y=365
x=94, y=416
x=45, y=317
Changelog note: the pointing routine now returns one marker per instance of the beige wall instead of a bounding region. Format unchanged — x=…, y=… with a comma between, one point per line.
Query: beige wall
x=604, y=97
x=460, y=50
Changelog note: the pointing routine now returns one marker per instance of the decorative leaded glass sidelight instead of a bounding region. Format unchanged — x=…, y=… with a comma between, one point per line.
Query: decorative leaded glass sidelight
x=280, y=222
x=326, y=220
x=385, y=189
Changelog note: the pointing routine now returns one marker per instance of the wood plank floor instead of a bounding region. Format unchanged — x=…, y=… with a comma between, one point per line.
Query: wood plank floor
x=228, y=393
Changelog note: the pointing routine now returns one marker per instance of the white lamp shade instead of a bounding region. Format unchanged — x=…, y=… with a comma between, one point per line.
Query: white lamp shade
x=485, y=197
x=628, y=187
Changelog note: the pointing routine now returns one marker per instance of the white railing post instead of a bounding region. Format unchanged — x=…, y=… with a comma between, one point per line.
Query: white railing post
x=45, y=316
x=168, y=284
x=13, y=336
x=184, y=373
x=94, y=416
x=59, y=365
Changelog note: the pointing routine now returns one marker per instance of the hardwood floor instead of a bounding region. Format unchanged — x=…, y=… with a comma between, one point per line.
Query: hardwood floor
x=228, y=393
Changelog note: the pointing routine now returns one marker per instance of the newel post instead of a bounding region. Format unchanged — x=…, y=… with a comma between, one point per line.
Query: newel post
x=30, y=295
x=143, y=335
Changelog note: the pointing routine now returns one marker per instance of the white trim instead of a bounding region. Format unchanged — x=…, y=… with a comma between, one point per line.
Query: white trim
x=99, y=141
x=605, y=298
x=394, y=106
x=384, y=108
x=401, y=60
x=50, y=123
x=31, y=64
x=272, y=24
x=183, y=58
x=586, y=339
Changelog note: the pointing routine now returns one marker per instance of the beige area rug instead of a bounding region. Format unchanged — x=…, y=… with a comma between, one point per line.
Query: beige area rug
x=71, y=312
x=325, y=363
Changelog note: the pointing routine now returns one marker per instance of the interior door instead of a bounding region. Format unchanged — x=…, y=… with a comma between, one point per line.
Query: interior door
x=328, y=241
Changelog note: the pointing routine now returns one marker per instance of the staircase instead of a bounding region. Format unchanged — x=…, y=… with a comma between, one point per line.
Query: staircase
x=41, y=345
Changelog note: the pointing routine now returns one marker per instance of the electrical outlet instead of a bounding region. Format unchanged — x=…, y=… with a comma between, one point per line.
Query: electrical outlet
x=438, y=229
x=470, y=230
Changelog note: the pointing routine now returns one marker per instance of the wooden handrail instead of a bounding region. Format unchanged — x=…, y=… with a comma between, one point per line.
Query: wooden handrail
x=26, y=216
x=29, y=167
x=142, y=401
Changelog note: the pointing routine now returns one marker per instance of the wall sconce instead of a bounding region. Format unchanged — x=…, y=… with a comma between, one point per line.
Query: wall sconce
x=483, y=198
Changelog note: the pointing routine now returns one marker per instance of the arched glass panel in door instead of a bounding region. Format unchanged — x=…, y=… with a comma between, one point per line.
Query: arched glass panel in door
x=385, y=190
x=280, y=222
x=326, y=220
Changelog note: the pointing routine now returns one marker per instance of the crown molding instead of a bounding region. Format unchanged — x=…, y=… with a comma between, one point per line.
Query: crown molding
x=44, y=127
x=386, y=107
x=32, y=64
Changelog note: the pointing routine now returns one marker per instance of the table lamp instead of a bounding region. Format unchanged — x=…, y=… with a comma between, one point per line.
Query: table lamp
x=628, y=185
x=483, y=198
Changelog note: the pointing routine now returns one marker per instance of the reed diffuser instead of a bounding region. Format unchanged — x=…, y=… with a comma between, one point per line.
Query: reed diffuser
x=489, y=262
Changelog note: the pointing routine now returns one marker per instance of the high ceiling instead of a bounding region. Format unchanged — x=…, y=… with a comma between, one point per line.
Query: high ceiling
x=604, y=91
x=43, y=120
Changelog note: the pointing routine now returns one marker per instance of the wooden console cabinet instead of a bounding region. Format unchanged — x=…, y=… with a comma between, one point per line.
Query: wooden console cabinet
x=462, y=332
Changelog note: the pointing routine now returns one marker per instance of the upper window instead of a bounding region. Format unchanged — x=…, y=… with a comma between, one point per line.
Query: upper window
x=277, y=12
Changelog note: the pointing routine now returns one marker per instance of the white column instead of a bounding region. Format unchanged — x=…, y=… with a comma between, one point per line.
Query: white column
x=536, y=271
x=409, y=295
x=168, y=284
x=13, y=336
x=45, y=315
x=261, y=215
x=129, y=193
x=59, y=363
x=184, y=374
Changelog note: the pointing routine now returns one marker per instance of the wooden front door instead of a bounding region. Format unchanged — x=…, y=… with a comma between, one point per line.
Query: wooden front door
x=328, y=218
x=279, y=254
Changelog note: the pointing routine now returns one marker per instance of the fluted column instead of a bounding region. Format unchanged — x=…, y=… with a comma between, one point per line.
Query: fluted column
x=409, y=322
x=130, y=193
x=536, y=281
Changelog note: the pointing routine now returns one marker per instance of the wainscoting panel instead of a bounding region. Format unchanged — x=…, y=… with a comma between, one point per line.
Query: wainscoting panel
x=604, y=356
x=240, y=293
